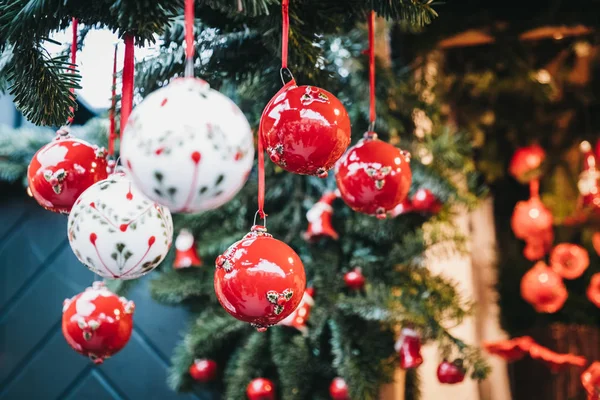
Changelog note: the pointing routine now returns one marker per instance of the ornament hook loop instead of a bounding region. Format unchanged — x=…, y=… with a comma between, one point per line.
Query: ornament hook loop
x=371, y=126
x=263, y=218
x=288, y=72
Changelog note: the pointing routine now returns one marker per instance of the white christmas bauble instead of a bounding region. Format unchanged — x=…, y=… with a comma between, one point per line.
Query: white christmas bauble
x=117, y=232
x=188, y=147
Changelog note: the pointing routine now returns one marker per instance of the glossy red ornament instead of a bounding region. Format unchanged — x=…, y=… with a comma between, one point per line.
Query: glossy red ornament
x=590, y=379
x=526, y=163
x=319, y=219
x=569, y=260
x=543, y=288
x=97, y=323
x=260, y=389
x=530, y=218
x=593, y=290
x=373, y=177
x=259, y=279
x=354, y=279
x=451, y=372
x=425, y=202
x=305, y=129
x=338, y=390
x=298, y=318
x=203, y=370
x=63, y=169
x=185, y=251
x=408, y=347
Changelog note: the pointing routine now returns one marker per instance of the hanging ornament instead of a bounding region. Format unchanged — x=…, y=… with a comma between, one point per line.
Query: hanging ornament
x=187, y=146
x=569, y=260
x=408, y=347
x=590, y=379
x=185, y=251
x=338, y=390
x=62, y=169
x=589, y=179
x=203, y=370
x=97, y=323
x=319, y=219
x=543, y=288
x=425, y=202
x=259, y=279
x=451, y=372
x=354, y=279
x=298, y=318
x=526, y=163
x=538, y=246
x=403, y=208
x=260, y=389
x=305, y=129
x=596, y=241
x=593, y=290
x=373, y=177
x=117, y=232
x=530, y=218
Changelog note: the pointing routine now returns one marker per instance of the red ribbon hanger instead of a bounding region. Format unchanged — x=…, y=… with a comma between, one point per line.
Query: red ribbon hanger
x=74, y=63
x=189, y=37
x=127, y=86
x=372, y=71
x=111, y=114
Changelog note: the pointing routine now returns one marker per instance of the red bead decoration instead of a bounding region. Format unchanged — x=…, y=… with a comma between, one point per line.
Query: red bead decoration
x=451, y=372
x=373, y=177
x=569, y=260
x=590, y=379
x=593, y=290
x=97, y=323
x=338, y=390
x=260, y=389
x=543, y=288
x=408, y=347
x=354, y=279
x=526, y=163
x=425, y=202
x=203, y=370
x=259, y=279
x=305, y=129
x=63, y=169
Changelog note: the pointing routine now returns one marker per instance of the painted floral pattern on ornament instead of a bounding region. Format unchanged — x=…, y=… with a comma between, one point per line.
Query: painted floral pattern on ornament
x=117, y=232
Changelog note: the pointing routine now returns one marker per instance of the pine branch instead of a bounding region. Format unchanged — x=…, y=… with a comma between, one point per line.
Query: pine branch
x=294, y=362
x=176, y=286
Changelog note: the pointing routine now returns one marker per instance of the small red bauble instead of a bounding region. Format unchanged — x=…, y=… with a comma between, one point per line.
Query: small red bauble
x=338, y=390
x=305, y=129
x=526, y=163
x=260, y=389
x=97, y=323
x=373, y=177
x=408, y=347
x=63, y=169
x=203, y=370
x=593, y=290
x=425, y=202
x=259, y=279
x=530, y=218
x=451, y=372
x=590, y=379
x=543, y=288
x=569, y=260
x=354, y=279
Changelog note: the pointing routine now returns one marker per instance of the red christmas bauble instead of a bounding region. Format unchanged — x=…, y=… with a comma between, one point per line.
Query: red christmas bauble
x=425, y=202
x=537, y=246
x=451, y=372
x=590, y=379
x=408, y=347
x=354, y=279
x=593, y=290
x=259, y=279
x=526, y=163
x=530, y=218
x=569, y=260
x=203, y=370
x=305, y=129
x=63, y=169
x=373, y=177
x=543, y=288
x=97, y=323
x=260, y=389
x=338, y=390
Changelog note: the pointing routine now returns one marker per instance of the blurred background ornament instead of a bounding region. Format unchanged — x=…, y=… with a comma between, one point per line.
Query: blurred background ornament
x=569, y=260
x=186, y=254
x=299, y=317
x=319, y=219
x=543, y=288
x=408, y=347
